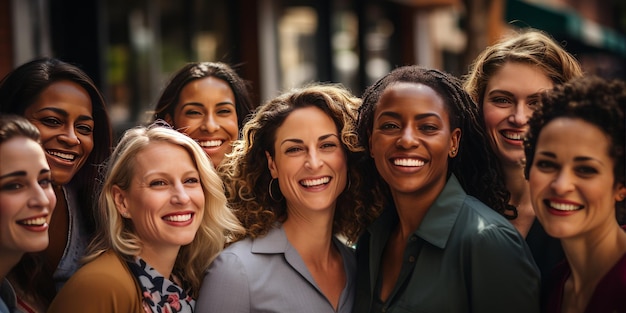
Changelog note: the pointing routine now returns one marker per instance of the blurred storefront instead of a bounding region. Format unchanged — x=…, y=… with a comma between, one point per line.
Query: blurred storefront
x=131, y=47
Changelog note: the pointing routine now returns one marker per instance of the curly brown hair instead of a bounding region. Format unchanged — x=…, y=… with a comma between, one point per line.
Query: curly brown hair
x=246, y=174
x=594, y=100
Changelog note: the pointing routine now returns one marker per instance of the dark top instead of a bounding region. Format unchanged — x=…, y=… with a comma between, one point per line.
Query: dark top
x=464, y=257
x=547, y=251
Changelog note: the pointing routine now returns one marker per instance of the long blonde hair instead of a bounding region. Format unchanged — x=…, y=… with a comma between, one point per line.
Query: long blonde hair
x=218, y=222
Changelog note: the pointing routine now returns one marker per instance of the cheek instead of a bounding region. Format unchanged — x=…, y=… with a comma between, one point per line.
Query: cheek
x=229, y=124
x=493, y=116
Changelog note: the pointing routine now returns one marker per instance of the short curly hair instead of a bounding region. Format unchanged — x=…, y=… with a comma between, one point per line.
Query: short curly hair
x=246, y=174
x=594, y=100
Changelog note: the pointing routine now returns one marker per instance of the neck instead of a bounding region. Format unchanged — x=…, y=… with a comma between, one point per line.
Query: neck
x=591, y=256
x=162, y=259
x=412, y=207
x=311, y=235
x=7, y=261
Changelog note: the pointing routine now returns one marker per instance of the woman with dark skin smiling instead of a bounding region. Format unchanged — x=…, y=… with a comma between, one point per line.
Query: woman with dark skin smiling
x=69, y=111
x=209, y=102
x=575, y=151
x=435, y=247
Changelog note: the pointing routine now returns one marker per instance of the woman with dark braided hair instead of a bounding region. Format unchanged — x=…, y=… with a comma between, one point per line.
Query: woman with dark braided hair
x=435, y=247
x=575, y=169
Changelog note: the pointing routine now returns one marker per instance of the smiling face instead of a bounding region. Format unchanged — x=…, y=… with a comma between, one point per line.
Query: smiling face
x=571, y=179
x=309, y=162
x=511, y=97
x=26, y=197
x=165, y=200
x=63, y=115
x=206, y=112
x=411, y=138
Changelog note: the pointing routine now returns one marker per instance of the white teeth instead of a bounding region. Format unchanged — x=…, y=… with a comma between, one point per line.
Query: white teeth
x=408, y=162
x=513, y=136
x=564, y=207
x=315, y=182
x=35, y=221
x=211, y=143
x=67, y=156
x=178, y=218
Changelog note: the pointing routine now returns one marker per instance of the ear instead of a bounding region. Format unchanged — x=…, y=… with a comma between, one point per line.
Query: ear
x=271, y=165
x=455, y=139
x=620, y=192
x=119, y=198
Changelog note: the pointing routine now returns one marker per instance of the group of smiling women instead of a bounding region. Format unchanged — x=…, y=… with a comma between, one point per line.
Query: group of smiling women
x=501, y=191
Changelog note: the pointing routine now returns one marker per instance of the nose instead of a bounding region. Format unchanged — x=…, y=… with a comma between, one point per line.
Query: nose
x=408, y=139
x=39, y=199
x=521, y=115
x=313, y=161
x=69, y=137
x=179, y=195
x=210, y=124
x=562, y=183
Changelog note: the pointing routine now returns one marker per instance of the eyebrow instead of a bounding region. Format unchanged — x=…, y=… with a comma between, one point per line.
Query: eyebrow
x=417, y=117
x=577, y=159
x=22, y=173
x=510, y=94
x=295, y=140
x=65, y=114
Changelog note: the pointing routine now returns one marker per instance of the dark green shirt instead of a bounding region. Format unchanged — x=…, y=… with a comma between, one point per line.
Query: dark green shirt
x=464, y=257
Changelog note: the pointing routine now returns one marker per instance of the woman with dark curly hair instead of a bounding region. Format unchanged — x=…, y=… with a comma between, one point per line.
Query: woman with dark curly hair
x=293, y=182
x=505, y=81
x=437, y=245
x=575, y=169
x=209, y=102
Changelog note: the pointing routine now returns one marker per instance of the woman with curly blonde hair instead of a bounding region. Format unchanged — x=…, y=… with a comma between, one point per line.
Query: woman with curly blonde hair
x=293, y=183
x=164, y=217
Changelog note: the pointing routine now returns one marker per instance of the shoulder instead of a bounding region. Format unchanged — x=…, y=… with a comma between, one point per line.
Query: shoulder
x=105, y=281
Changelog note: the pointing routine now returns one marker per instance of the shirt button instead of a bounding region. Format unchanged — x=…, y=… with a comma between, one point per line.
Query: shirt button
x=411, y=259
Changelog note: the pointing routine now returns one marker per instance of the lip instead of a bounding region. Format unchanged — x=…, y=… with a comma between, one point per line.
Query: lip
x=36, y=223
x=63, y=157
x=513, y=137
x=315, y=183
x=179, y=219
x=562, y=207
x=407, y=163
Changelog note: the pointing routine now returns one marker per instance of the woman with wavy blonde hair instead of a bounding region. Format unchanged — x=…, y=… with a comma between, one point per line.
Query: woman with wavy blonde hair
x=166, y=219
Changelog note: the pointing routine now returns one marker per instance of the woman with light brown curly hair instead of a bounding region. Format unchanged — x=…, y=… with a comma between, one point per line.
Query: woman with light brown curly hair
x=293, y=183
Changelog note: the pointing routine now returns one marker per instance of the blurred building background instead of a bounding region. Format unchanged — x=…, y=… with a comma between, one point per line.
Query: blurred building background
x=131, y=47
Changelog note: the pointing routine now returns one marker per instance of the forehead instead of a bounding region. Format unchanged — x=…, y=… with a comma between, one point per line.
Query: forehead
x=410, y=96
x=307, y=120
x=66, y=95
x=20, y=153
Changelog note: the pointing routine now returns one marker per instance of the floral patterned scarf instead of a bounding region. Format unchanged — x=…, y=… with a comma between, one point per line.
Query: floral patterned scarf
x=160, y=295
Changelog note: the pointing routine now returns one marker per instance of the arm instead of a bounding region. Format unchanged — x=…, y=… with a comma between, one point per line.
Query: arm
x=225, y=287
x=504, y=277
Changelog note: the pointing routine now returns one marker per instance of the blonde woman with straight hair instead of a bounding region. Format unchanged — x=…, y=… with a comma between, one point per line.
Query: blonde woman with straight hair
x=164, y=217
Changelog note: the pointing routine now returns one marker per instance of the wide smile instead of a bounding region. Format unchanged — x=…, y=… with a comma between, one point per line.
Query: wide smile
x=178, y=219
x=514, y=137
x=63, y=156
x=315, y=182
x=211, y=143
x=37, y=223
x=408, y=162
x=562, y=206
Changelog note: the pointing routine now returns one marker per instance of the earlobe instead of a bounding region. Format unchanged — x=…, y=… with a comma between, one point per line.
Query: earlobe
x=455, y=139
x=621, y=193
x=271, y=165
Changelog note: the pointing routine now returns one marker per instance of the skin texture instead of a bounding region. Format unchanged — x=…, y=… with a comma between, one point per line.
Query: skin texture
x=164, y=201
x=206, y=112
x=309, y=162
x=26, y=197
x=411, y=139
x=511, y=97
x=63, y=115
x=574, y=172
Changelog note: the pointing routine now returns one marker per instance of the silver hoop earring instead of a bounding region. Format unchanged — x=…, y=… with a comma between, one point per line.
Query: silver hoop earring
x=270, y=191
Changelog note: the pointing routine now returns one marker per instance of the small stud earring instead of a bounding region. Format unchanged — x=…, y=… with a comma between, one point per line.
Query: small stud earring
x=125, y=214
